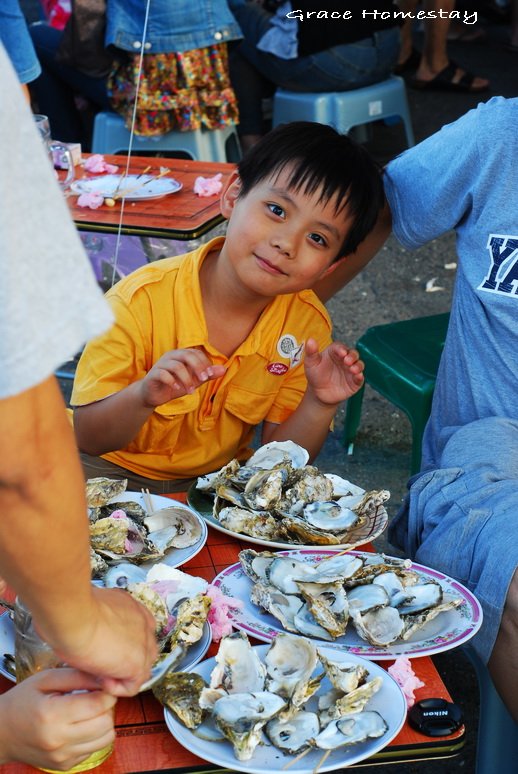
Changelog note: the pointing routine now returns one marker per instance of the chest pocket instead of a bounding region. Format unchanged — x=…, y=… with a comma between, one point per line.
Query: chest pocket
x=248, y=405
x=163, y=427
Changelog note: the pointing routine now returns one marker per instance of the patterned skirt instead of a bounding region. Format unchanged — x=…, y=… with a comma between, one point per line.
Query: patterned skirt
x=177, y=91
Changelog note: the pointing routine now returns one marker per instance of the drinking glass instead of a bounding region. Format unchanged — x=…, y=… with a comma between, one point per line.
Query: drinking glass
x=32, y=654
x=55, y=149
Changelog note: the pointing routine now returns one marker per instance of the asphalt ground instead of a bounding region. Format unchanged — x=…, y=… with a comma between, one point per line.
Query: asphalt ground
x=393, y=287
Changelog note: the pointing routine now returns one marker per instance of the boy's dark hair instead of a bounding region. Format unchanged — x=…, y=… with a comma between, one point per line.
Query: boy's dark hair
x=320, y=158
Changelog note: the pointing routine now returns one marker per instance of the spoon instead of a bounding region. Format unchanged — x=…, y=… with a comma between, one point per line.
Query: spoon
x=162, y=666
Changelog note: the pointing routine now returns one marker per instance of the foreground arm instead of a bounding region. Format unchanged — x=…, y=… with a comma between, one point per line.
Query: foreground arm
x=44, y=551
x=333, y=376
x=45, y=725
x=351, y=265
x=112, y=423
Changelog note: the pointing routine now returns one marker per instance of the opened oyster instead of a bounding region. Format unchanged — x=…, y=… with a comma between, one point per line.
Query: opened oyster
x=286, y=693
x=385, y=600
x=277, y=497
x=124, y=531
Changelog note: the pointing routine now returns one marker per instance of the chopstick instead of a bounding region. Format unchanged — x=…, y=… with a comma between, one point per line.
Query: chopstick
x=126, y=191
x=124, y=177
x=148, y=502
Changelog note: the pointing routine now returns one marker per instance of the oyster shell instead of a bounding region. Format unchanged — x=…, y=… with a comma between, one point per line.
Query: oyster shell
x=295, y=734
x=180, y=692
x=343, y=675
x=330, y=516
x=238, y=667
x=278, y=452
x=351, y=729
x=100, y=490
x=290, y=662
x=367, y=597
x=254, y=524
x=172, y=527
x=241, y=717
x=380, y=627
x=256, y=563
x=328, y=604
x=284, y=572
x=263, y=490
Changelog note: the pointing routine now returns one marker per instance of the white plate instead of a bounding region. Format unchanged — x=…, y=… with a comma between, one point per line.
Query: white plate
x=195, y=653
x=446, y=631
x=174, y=557
x=107, y=185
x=202, y=503
x=388, y=701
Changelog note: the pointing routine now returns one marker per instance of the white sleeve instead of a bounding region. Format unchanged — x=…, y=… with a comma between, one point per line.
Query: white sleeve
x=50, y=303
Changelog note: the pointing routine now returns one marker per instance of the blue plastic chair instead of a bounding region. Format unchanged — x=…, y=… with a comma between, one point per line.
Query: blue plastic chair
x=110, y=135
x=497, y=741
x=346, y=110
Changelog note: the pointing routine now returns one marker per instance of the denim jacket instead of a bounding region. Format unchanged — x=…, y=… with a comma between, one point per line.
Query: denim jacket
x=173, y=25
x=17, y=41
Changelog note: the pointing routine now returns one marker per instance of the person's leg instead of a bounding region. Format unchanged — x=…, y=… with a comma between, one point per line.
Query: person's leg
x=503, y=664
x=435, y=59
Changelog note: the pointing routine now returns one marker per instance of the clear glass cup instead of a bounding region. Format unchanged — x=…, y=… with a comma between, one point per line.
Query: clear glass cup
x=32, y=654
x=55, y=149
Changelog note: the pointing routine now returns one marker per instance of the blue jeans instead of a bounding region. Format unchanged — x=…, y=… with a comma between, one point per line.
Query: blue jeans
x=58, y=85
x=256, y=74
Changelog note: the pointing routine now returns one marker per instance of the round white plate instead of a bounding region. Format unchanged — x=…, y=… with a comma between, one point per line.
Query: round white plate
x=202, y=503
x=108, y=185
x=195, y=653
x=174, y=557
x=388, y=701
x=446, y=631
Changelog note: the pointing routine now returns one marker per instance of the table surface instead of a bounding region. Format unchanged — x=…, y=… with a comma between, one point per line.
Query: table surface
x=144, y=743
x=182, y=215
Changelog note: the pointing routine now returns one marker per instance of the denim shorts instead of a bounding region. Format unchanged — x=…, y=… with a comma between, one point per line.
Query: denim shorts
x=461, y=518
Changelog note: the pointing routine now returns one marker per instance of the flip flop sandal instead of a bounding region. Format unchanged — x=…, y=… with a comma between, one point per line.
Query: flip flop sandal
x=468, y=35
x=443, y=81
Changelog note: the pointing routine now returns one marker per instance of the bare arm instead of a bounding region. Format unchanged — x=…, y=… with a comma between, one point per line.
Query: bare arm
x=351, y=265
x=44, y=551
x=112, y=423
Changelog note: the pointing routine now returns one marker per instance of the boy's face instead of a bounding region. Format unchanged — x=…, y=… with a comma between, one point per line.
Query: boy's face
x=280, y=240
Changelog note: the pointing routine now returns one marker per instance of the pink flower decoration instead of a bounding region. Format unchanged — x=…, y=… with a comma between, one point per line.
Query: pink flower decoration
x=221, y=623
x=97, y=164
x=402, y=672
x=92, y=200
x=208, y=186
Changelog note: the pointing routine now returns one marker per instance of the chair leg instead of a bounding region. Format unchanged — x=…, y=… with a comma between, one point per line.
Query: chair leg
x=353, y=413
x=497, y=741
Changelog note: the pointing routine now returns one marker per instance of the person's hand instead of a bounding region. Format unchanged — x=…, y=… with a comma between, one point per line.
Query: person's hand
x=44, y=724
x=334, y=374
x=177, y=373
x=117, y=643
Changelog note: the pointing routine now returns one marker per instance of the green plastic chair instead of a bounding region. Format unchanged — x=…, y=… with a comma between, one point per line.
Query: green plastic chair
x=401, y=361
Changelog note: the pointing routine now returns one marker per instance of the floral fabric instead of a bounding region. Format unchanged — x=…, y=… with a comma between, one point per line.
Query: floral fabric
x=177, y=91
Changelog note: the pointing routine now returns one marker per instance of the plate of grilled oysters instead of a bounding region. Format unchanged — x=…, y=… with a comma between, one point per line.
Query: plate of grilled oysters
x=276, y=499
x=287, y=704
x=177, y=601
x=124, y=528
x=368, y=604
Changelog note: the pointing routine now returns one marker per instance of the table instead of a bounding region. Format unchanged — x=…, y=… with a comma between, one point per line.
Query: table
x=144, y=743
x=182, y=215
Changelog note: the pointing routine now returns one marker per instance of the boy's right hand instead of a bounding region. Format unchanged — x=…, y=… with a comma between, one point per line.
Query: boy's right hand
x=177, y=373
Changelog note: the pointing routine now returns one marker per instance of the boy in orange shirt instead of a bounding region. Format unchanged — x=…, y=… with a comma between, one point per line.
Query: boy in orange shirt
x=210, y=344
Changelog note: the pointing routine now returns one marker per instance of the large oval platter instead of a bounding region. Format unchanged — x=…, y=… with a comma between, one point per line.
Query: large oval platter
x=388, y=701
x=203, y=503
x=174, y=557
x=194, y=654
x=448, y=630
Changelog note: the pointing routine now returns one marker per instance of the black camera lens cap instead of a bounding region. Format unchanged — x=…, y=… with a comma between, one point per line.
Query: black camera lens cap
x=435, y=717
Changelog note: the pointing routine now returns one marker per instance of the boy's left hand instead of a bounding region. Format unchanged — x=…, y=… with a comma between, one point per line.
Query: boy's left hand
x=334, y=374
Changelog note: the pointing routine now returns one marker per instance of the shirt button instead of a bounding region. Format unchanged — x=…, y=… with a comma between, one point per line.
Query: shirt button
x=218, y=36
x=147, y=46
x=137, y=44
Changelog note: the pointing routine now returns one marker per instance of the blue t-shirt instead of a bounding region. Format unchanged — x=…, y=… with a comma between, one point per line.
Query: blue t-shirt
x=17, y=41
x=464, y=178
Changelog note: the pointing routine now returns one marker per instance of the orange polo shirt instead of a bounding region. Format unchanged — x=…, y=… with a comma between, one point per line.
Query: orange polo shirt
x=159, y=308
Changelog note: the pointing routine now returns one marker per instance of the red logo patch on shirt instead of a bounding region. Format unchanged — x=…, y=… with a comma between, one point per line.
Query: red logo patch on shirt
x=277, y=368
